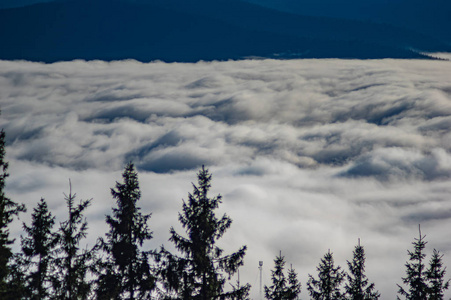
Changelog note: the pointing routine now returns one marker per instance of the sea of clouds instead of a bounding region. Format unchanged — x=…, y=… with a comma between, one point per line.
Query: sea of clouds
x=309, y=155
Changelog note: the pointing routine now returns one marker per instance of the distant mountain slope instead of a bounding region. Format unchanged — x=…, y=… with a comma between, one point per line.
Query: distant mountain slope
x=19, y=3
x=245, y=15
x=177, y=30
x=432, y=17
x=113, y=30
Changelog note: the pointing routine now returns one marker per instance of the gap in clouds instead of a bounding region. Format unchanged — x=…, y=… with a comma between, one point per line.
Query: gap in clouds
x=309, y=155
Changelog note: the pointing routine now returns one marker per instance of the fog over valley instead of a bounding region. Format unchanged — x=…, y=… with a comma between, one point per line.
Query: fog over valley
x=309, y=155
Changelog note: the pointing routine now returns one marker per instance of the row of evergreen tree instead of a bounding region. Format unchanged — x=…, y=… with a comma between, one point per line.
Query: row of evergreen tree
x=422, y=282
x=52, y=264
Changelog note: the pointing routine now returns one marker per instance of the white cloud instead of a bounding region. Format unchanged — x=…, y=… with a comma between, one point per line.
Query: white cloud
x=309, y=154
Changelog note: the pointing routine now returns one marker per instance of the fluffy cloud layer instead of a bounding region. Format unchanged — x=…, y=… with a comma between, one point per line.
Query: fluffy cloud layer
x=309, y=155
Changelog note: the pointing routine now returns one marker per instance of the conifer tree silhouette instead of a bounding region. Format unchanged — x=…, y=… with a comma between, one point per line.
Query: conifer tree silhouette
x=435, y=276
x=73, y=263
x=240, y=292
x=282, y=288
x=278, y=288
x=8, y=210
x=126, y=273
x=416, y=281
x=294, y=286
x=330, y=278
x=358, y=286
x=200, y=272
x=38, y=252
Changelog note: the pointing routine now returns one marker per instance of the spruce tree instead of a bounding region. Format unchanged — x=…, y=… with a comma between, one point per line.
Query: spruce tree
x=73, y=263
x=278, y=288
x=199, y=273
x=38, y=251
x=435, y=277
x=282, y=288
x=416, y=281
x=8, y=210
x=126, y=274
x=358, y=287
x=294, y=286
x=240, y=292
x=330, y=278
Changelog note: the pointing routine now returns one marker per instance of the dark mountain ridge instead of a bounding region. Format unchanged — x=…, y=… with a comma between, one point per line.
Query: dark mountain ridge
x=245, y=15
x=188, y=31
x=429, y=17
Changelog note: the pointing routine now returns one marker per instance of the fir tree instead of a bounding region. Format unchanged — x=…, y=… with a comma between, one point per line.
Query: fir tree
x=330, y=278
x=73, y=263
x=282, y=288
x=38, y=250
x=358, y=287
x=435, y=277
x=200, y=272
x=126, y=273
x=416, y=281
x=8, y=210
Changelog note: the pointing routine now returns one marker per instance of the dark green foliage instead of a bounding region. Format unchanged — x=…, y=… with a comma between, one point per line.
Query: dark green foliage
x=72, y=262
x=330, y=278
x=435, y=276
x=282, y=288
x=357, y=286
x=126, y=274
x=416, y=281
x=200, y=272
x=8, y=209
x=38, y=251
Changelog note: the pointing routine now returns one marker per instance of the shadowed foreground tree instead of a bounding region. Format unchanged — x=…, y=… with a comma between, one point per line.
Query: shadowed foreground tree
x=416, y=281
x=38, y=251
x=200, y=272
x=8, y=210
x=357, y=286
x=16, y=287
x=282, y=288
x=73, y=263
x=126, y=274
x=330, y=278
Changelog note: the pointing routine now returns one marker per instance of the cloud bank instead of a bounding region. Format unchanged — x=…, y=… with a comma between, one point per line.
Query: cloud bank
x=309, y=155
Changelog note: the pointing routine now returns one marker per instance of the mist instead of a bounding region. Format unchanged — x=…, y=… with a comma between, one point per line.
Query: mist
x=309, y=155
